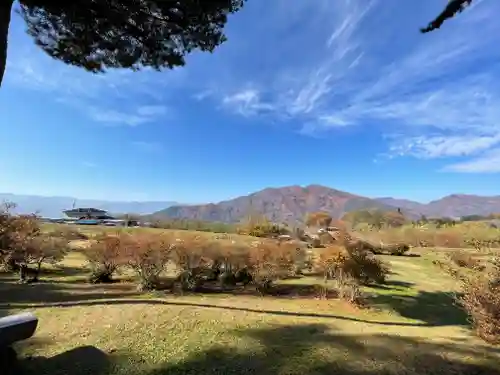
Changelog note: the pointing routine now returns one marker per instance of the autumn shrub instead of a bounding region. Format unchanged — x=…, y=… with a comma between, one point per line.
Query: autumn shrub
x=365, y=267
x=335, y=263
x=147, y=255
x=260, y=226
x=463, y=259
x=397, y=249
x=23, y=244
x=481, y=300
x=41, y=249
x=197, y=259
x=234, y=261
x=105, y=255
x=270, y=261
x=347, y=288
x=351, y=265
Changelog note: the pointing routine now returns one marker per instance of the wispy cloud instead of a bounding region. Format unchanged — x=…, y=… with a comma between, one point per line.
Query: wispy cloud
x=140, y=115
x=364, y=63
x=318, y=66
x=487, y=163
x=102, y=97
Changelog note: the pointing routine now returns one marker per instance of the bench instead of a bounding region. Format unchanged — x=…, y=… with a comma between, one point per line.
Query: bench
x=16, y=328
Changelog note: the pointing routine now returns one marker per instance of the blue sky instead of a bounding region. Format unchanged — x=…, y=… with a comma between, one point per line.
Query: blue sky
x=343, y=93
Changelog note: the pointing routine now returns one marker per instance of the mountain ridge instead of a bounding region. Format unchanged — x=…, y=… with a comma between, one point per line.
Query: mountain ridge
x=292, y=203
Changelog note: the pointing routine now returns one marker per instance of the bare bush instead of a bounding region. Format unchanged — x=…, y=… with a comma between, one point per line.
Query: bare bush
x=23, y=244
x=397, y=249
x=347, y=288
x=270, y=261
x=463, y=259
x=105, y=255
x=147, y=255
x=481, y=299
x=199, y=260
x=352, y=262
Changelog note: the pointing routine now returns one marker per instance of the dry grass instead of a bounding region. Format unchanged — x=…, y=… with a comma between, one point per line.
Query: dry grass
x=459, y=236
x=414, y=328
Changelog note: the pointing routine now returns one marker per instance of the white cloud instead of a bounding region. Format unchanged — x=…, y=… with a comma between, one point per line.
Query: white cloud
x=429, y=147
x=99, y=96
x=246, y=102
x=322, y=64
x=364, y=63
x=487, y=163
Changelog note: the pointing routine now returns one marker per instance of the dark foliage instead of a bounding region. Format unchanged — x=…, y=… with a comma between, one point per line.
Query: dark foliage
x=99, y=35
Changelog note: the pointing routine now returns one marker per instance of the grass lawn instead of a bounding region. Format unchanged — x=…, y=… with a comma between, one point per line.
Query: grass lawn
x=412, y=328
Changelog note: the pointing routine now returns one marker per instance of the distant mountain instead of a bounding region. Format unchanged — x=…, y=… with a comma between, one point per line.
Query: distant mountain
x=286, y=204
x=292, y=203
x=463, y=204
x=455, y=205
x=53, y=206
x=404, y=204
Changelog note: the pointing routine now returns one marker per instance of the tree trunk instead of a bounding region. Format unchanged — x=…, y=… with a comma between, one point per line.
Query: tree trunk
x=23, y=273
x=5, y=10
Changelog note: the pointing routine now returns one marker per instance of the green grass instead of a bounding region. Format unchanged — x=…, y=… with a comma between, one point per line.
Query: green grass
x=411, y=328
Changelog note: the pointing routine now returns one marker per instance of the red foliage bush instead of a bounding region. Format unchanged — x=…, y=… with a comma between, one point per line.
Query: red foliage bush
x=105, y=255
x=147, y=254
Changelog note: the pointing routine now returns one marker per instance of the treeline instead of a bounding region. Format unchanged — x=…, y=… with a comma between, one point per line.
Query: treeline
x=480, y=217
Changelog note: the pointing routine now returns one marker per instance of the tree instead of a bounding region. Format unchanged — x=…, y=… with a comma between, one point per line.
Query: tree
x=320, y=218
x=22, y=243
x=451, y=10
x=99, y=35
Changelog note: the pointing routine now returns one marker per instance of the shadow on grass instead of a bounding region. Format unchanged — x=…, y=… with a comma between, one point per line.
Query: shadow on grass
x=315, y=349
x=393, y=284
x=63, y=271
x=12, y=292
x=310, y=349
x=78, y=361
x=432, y=308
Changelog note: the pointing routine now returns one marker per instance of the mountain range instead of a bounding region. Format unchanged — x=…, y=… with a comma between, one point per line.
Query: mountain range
x=292, y=203
x=284, y=204
x=52, y=207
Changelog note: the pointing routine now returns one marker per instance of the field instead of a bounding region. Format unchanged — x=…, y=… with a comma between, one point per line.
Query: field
x=411, y=326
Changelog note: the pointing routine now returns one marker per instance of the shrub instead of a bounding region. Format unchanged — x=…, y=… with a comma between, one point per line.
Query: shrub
x=197, y=259
x=481, y=299
x=147, y=255
x=270, y=261
x=353, y=262
x=347, y=289
x=463, y=259
x=41, y=249
x=397, y=249
x=105, y=255
x=364, y=267
x=24, y=244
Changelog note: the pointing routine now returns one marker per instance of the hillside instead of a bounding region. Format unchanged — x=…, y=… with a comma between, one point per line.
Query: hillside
x=53, y=206
x=286, y=204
